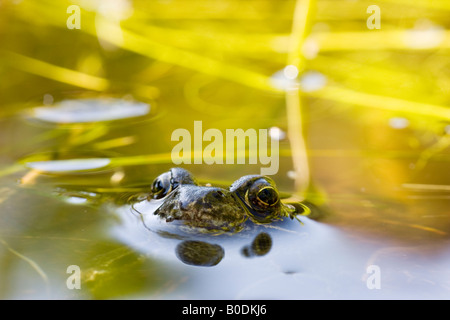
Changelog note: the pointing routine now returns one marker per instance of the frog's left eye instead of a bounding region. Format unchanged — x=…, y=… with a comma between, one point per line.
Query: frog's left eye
x=161, y=186
x=169, y=181
x=262, y=195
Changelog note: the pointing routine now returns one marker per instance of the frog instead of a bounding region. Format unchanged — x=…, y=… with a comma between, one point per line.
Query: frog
x=178, y=198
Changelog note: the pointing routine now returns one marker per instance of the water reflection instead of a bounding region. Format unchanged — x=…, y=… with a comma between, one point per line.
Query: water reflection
x=69, y=165
x=260, y=246
x=90, y=110
x=199, y=253
x=204, y=254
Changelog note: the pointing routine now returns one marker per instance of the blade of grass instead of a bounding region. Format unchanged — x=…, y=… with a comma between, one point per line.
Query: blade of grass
x=426, y=187
x=376, y=41
x=301, y=21
x=370, y=100
x=426, y=4
x=435, y=149
x=54, y=72
x=233, y=43
x=31, y=263
x=111, y=31
x=144, y=46
x=12, y=169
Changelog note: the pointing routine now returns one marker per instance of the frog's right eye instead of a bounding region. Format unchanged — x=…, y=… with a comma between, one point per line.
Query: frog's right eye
x=161, y=186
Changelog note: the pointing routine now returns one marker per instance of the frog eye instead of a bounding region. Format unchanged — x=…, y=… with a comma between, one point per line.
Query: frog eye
x=262, y=195
x=169, y=181
x=161, y=186
x=267, y=196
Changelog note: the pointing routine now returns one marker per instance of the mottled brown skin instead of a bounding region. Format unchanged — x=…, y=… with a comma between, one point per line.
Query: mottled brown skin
x=251, y=197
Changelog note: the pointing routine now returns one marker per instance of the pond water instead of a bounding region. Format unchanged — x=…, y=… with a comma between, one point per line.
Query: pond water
x=64, y=208
x=86, y=123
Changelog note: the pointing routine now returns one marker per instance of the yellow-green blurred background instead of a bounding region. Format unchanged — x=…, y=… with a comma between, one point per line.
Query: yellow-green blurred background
x=365, y=123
